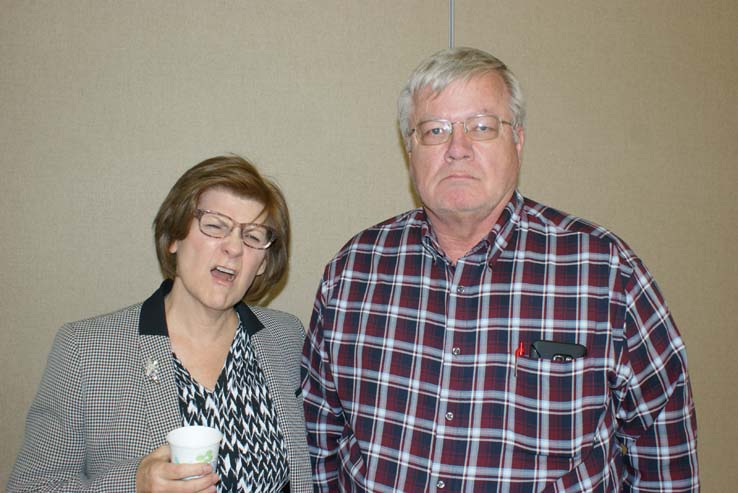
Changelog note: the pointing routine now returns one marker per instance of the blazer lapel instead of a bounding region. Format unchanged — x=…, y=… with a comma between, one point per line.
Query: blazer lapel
x=160, y=390
x=264, y=344
x=277, y=345
x=282, y=388
x=157, y=367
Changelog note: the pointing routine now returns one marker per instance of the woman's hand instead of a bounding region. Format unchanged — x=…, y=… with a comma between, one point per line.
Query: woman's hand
x=156, y=474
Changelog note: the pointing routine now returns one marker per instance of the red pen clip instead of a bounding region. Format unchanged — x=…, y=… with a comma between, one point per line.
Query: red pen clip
x=518, y=353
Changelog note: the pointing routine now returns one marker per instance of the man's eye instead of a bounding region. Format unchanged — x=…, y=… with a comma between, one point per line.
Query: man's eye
x=483, y=126
x=433, y=131
x=483, y=129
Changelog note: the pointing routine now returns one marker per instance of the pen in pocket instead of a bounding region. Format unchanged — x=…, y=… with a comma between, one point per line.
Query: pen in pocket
x=520, y=351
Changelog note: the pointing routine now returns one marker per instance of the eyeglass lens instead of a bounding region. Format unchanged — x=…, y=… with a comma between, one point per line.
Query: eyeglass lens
x=220, y=226
x=483, y=127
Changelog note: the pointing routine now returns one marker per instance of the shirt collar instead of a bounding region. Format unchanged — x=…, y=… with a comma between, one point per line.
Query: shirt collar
x=507, y=223
x=494, y=243
x=153, y=320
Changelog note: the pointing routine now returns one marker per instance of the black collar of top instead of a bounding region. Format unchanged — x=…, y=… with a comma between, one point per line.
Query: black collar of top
x=153, y=320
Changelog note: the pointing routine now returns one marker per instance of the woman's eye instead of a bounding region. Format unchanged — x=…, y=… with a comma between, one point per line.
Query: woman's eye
x=215, y=228
x=255, y=236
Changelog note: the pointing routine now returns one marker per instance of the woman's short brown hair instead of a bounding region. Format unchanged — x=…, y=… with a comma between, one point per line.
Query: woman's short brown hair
x=237, y=175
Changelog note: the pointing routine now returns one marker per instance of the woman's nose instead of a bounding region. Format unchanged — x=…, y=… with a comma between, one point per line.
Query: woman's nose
x=233, y=243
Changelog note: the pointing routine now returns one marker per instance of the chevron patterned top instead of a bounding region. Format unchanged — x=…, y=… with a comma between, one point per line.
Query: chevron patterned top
x=253, y=454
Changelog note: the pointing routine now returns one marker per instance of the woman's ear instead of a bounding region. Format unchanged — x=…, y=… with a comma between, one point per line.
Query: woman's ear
x=262, y=267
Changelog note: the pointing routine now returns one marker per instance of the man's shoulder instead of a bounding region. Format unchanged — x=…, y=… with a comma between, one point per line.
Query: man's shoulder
x=550, y=220
x=546, y=220
x=391, y=231
x=393, y=236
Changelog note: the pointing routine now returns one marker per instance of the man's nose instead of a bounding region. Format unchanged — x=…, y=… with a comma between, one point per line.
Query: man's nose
x=459, y=143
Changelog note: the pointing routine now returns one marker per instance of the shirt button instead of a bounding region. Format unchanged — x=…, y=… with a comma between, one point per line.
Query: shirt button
x=440, y=484
x=460, y=289
x=456, y=351
x=449, y=416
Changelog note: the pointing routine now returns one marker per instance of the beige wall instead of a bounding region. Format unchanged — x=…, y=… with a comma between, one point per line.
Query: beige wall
x=104, y=104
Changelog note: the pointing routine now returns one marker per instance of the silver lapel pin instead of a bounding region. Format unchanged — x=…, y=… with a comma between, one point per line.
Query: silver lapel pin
x=152, y=370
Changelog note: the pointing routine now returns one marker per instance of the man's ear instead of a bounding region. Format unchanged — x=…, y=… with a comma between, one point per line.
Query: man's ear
x=520, y=131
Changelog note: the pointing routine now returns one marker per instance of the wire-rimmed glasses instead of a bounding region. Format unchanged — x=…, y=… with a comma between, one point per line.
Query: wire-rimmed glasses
x=477, y=127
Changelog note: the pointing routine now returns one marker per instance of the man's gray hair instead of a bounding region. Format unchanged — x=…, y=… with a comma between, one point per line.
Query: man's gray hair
x=446, y=66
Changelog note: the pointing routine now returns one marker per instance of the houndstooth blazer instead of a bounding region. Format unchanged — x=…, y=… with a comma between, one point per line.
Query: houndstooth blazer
x=108, y=397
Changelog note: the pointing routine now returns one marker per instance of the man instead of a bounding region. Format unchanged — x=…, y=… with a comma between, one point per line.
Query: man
x=486, y=342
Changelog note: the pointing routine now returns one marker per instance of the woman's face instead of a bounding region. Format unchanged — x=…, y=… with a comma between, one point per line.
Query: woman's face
x=215, y=273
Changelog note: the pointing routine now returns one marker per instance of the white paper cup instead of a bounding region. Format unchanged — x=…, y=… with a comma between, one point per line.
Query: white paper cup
x=194, y=444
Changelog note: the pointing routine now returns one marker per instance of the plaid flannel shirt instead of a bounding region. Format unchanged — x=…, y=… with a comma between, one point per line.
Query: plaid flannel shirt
x=411, y=380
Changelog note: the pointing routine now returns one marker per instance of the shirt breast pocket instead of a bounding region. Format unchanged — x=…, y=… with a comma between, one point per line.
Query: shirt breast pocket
x=556, y=406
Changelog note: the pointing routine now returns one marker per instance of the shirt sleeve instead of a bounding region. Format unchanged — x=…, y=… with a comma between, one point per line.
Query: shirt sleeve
x=323, y=413
x=657, y=422
x=53, y=457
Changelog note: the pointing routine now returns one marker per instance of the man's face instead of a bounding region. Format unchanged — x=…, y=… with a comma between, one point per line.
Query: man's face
x=462, y=177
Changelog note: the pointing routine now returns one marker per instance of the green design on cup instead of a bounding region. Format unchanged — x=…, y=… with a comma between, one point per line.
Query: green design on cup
x=206, y=457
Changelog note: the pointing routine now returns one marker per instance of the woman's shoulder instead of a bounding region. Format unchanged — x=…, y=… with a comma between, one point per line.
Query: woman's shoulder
x=118, y=323
x=277, y=319
x=279, y=328
x=108, y=338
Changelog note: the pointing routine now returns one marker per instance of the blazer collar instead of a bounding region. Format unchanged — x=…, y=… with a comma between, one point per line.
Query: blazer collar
x=153, y=320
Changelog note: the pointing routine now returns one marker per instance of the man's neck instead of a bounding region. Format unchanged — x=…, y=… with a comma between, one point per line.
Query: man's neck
x=457, y=233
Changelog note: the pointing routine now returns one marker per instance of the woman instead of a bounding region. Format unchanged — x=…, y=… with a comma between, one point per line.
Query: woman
x=193, y=353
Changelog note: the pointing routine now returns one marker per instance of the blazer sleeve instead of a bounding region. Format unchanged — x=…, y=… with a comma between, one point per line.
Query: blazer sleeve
x=53, y=455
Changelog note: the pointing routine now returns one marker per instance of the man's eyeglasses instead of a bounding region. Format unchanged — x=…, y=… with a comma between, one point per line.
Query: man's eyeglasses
x=217, y=225
x=478, y=127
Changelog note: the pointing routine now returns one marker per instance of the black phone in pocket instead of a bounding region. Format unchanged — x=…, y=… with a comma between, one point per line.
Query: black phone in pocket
x=557, y=351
